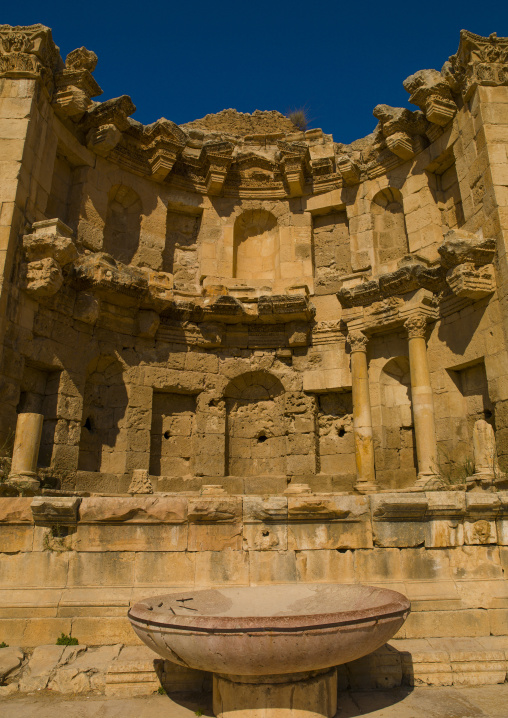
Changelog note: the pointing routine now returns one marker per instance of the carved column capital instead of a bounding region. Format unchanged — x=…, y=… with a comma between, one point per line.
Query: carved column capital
x=357, y=341
x=416, y=326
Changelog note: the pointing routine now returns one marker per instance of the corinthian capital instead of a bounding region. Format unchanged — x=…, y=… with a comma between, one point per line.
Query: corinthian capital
x=416, y=325
x=357, y=341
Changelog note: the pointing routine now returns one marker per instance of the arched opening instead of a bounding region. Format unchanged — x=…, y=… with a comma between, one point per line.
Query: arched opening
x=123, y=223
x=256, y=246
x=256, y=427
x=396, y=465
x=390, y=235
x=103, y=443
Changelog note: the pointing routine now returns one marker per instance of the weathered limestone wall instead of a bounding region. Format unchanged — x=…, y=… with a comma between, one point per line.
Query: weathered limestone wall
x=447, y=552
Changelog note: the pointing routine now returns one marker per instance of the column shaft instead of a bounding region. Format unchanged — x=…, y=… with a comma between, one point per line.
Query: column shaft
x=26, y=450
x=362, y=419
x=422, y=399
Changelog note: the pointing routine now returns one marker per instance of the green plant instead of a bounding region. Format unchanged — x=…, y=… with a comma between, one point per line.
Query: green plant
x=4, y=645
x=161, y=690
x=65, y=640
x=198, y=713
x=299, y=117
x=450, y=471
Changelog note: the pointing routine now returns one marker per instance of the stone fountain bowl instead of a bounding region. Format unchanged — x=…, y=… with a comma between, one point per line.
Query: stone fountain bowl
x=264, y=630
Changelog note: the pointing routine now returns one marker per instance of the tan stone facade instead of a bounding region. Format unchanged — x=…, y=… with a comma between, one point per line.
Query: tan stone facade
x=235, y=352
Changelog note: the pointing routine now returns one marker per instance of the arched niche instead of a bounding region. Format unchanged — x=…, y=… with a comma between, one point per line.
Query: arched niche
x=256, y=246
x=103, y=442
x=123, y=223
x=396, y=455
x=255, y=425
x=389, y=227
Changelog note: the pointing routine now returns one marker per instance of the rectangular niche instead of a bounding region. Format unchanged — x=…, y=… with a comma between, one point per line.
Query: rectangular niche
x=472, y=383
x=180, y=257
x=173, y=417
x=332, y=251
x=39, y=395
x=445, y=188
x=335, y=427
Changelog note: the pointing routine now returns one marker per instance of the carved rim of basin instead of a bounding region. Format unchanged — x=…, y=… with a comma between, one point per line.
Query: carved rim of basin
x=298, y=627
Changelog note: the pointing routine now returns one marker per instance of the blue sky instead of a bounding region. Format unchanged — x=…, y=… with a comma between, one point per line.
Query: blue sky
x=183, y=60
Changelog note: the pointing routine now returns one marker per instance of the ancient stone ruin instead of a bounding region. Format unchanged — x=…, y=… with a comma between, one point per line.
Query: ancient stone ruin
x=235, y=353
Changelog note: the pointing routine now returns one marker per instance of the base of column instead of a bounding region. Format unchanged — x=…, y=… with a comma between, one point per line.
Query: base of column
x=426, y=480
x=366, y=487
x=306, y=695
x=26, y=484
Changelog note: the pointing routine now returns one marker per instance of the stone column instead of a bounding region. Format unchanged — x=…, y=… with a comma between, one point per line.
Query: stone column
x=26, y=450
x=423, y=403
x=362, y=419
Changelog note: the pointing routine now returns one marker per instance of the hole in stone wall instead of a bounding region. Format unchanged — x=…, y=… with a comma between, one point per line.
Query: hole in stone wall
x=341, y=431
x=167, y=434
x=59, y=531
x=88, y=424
x=262, y=438
x=488, y=414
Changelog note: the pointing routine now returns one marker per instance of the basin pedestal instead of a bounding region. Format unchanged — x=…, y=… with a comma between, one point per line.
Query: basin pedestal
x=304, y=695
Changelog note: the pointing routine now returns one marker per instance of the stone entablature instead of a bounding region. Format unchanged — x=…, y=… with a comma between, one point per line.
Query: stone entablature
x=276, y=164
x=435, y=519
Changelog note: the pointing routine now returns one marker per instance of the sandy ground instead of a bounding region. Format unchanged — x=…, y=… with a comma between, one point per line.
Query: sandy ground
x=471, y=702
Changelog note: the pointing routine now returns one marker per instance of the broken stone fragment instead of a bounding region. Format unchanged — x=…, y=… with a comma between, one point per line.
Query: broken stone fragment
x=86, y=308
x=103, y=139
x=220, y=510
x=460, y=246
x=140, y=483
x=466, y=281
x=50, y=511
x=43, y=278
x=10, y=659
x=50, y=238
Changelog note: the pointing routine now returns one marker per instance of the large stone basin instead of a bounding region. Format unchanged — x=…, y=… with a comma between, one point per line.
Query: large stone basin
x=262, y=641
